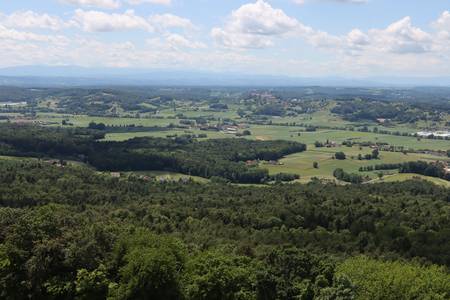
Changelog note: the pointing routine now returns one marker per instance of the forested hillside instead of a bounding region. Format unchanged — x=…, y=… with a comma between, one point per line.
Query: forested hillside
x=219, y=157
x=70, y=233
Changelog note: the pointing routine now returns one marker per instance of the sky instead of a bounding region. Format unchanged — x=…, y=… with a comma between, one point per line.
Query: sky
x=302, y=38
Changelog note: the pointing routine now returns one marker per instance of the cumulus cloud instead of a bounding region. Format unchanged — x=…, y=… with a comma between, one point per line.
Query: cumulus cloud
x=398, y=46
x=401, y=37
x=350, y=1
x=179, y=41
x=443, y=23
x=160, y=2
x=167, y=21
x=253, y=26
x=107, y=4
x=32, y=20
x=301, y=2
x=256, y=25
x=16, y=35
x=97, y=21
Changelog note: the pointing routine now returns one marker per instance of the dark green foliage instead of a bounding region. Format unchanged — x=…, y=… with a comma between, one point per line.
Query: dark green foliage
x=97, y=126
x=375, y=154
x=318, y=144
x=218, y=106
x=360, y=110
x=381, y=167
x=271, y=110
x=340, y=155
x=221, y=157
x=424, y=168
x=149, y=267
x=219, y=275
x=395, y=280
x=69, y=233
x=347, y=177
x=417, y=167
x=246, y=132
x=284, y=177
x=92, y=284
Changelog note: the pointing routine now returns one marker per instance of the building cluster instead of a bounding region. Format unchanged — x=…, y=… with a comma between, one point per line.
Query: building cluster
x=444, y=134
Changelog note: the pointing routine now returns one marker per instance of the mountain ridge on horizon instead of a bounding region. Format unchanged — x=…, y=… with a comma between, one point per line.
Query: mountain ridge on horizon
x=78, y=75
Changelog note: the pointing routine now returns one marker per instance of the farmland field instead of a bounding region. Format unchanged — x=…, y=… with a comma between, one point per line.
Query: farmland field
x=403, y=177
x=302, y=163
x=303, y=121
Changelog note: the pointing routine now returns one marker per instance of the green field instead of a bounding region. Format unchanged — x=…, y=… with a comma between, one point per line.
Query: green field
x=163, y=133
x=267, y=132
x=403, y=177
x=293, y=133
x=83, y=120
x=169, y=176
x=302, y=163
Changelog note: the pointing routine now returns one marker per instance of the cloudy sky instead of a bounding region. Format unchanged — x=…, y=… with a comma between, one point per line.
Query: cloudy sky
x=351, y=38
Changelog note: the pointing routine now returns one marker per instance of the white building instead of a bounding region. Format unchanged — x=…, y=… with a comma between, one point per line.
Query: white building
x=435, y=133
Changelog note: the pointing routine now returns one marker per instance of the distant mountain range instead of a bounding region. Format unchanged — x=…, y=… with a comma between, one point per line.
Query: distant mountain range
x=80, y=76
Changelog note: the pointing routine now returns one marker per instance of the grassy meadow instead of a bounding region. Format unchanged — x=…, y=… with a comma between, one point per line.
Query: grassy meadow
x=302, y=163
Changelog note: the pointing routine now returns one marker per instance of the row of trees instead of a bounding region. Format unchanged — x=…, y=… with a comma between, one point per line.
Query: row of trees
x=340, y=174
x=428, y=169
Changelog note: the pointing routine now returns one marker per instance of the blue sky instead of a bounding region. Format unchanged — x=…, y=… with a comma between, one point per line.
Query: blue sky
x=348, y=38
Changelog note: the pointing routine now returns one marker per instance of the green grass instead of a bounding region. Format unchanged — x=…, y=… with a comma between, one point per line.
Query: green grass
x=302, y=163
x=83, y=120
x=4, y=157
x=403, y=177
x=263, y=132
x=170, y=175
x=292, y=133
x=163, y=133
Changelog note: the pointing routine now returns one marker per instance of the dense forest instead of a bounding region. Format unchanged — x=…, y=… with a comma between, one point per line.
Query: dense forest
x=211, y=158
x=402, y=112
x=71, y=233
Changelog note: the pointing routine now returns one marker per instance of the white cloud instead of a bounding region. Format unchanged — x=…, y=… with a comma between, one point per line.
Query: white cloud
x=350, y=1
x=253, y=26
x=402, y=37
x=443, y=23
x=160, y=2
x=107, y=4
x=301, y=2
x=31, y=20
x=167, y=21
x=398, y=47
x=96, y=21
x=179, y=41
x=15, y=35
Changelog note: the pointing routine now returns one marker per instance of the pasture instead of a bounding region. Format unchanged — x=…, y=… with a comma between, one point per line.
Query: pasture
x=403, y=177
x=302, y=163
